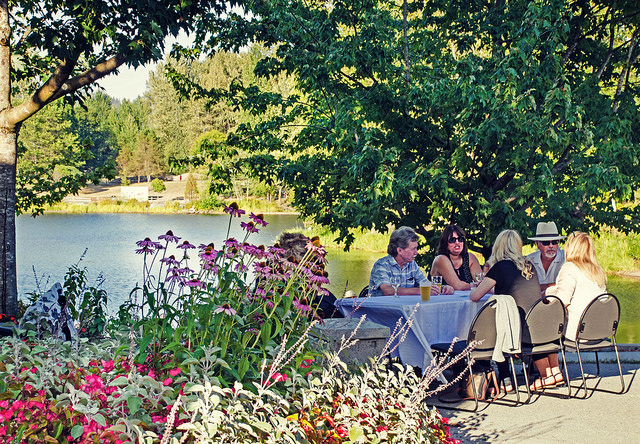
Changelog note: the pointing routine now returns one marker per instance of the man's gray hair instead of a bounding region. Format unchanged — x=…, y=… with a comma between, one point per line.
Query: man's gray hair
x=400, y=238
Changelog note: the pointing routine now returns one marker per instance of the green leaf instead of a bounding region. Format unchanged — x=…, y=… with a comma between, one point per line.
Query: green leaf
x=76, y=431
x=265, y=333
x=133, y=403
x=101, y=419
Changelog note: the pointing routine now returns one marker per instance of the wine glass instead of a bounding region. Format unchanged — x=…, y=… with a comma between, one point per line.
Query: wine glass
x=479, y=277
x=395, y=283
x=436, y=281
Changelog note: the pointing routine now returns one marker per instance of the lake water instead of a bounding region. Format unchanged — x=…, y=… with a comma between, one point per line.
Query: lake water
x=52, y=242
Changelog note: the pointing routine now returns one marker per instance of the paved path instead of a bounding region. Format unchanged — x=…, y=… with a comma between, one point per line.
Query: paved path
x=601, y=418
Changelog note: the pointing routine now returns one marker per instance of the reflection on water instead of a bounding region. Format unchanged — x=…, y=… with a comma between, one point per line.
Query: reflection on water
x=53, y=242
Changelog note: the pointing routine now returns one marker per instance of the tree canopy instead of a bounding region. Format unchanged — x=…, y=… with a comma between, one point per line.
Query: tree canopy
x=488, y=114
x=52, y=50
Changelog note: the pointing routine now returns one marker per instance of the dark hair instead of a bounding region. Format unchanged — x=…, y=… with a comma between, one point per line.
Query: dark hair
x=294, y=244
x=400, y=238
x=450, y=230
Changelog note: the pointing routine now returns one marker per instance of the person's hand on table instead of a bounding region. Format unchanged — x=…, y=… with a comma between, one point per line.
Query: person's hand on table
x=447, y=289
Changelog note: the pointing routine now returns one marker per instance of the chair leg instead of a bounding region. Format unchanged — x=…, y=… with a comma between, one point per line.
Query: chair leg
x=597, y=364
x=566, y=372
x=615, y=347
x=526, y=381
x=584, y=379
x=514, y=382
x=473, y=386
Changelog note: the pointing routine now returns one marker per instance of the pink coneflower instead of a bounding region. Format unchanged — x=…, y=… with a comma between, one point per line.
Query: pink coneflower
x=148, y=243
x=300, y=306
x=169, y=237
x=144, y=250
x=209, y=254
x=195, y=283
x=186, y=246
x=253, y=250
x=233, y=210
x=231, y=243
x=249, y=227
x=262, y=268
x=240, y=268
x=171, y=260
x=258, y=219
x=226, y=309
x=175, y=277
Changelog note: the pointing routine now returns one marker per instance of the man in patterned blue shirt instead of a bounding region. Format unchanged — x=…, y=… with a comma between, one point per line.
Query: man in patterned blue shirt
x=402, y=250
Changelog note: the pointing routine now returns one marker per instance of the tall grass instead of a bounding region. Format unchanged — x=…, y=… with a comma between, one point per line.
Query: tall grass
x=133, y=206
x=617, y=252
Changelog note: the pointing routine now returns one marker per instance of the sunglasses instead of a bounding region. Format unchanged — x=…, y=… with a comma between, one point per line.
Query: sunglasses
x=453, y=240
x=547, y=243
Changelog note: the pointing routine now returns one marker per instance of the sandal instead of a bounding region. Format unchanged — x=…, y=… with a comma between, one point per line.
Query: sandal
x=558, y=378
x=508, y=386
x=540, y=383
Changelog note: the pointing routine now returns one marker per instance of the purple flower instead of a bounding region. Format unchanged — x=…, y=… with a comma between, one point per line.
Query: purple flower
x=276, y=250
x=186, y=246
x=231, y=243
x=210, y=266
x=262, y=268
x=148, y=243
x=171, y=260
x=254, y=251
x=169, y=237
x=226, y=309
x=144, y=250
x=300, y=306
x=249, y=227
x=258, y=219
x=233, y=210
x=209, y=254
x=241, y=268
x=175, y=277
x=195, y=283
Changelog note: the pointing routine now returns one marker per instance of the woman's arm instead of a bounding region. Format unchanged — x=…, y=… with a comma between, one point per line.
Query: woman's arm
x=442, y=267
x=483, y=288
x=474, y=265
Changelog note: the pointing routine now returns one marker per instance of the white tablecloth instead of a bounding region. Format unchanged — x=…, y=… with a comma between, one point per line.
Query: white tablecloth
x=441, y=319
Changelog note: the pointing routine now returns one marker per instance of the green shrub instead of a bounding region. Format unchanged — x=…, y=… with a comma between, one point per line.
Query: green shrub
x=158, y=185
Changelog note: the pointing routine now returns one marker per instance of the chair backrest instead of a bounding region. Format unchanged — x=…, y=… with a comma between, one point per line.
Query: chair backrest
x=545, y=321
x=483, y=328
x=364, y=292
x=600, y=319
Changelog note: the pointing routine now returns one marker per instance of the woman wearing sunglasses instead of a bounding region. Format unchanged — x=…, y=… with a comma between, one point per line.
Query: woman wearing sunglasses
x=454, y=262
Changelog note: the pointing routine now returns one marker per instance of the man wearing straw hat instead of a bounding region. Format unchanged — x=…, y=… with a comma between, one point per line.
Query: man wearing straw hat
x=548, y=258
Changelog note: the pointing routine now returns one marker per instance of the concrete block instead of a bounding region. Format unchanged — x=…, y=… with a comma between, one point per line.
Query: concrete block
x=371, y=338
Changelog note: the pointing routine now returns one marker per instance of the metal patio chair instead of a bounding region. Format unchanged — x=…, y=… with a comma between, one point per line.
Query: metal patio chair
x=542, y=332
x=596, y=331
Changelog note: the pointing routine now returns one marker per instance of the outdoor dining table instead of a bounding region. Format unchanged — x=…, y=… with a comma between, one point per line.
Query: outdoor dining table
x=441, y=319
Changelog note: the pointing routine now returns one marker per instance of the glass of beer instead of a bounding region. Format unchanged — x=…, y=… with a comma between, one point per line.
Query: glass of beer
x=425, y=291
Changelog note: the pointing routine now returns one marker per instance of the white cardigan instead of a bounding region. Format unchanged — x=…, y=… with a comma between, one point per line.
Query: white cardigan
x=575, y=289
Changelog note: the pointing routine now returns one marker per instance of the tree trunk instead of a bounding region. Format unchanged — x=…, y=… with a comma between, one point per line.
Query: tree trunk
x=8, y=281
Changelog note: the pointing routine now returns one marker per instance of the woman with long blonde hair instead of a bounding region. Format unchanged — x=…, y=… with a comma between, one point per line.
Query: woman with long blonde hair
x=580, y=280
x=510, y=273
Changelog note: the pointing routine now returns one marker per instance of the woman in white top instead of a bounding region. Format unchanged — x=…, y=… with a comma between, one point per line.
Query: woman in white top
x=580, y=280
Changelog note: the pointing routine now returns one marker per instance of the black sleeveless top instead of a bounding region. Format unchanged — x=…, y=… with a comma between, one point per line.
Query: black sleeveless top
x=464, y=272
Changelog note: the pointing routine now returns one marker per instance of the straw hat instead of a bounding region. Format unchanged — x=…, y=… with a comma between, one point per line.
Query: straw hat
x=546, y=231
